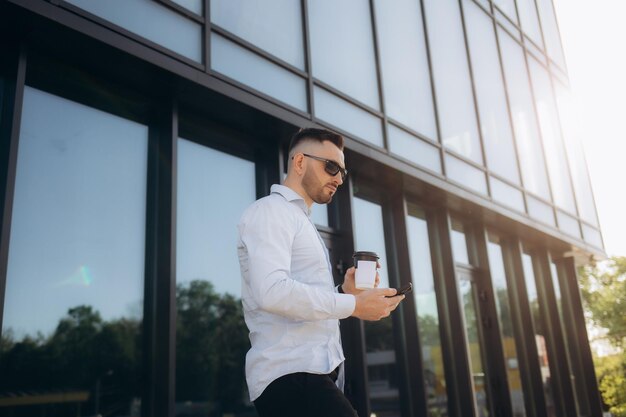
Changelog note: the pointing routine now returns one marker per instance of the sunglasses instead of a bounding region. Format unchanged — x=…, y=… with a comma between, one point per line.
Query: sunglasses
x=331, y=167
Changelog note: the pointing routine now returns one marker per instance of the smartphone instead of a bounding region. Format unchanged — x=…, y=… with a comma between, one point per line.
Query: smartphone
x=403, y=290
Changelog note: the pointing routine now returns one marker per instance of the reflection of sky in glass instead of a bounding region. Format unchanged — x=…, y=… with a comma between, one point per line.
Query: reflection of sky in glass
x=369, y=233
x=459, y=247
x=421, y=267
x=214, y=189
x=78, y=226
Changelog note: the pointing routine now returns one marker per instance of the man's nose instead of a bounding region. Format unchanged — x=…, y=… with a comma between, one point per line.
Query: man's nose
x=339, y=178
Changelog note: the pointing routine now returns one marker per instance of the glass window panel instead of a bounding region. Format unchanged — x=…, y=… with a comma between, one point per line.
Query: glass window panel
x=404, y=64
x=414, y=149
x=551, y=31
x=505, y=321
x=251, y=69
x=380, y=356
x=507, y=194
x=273, y=25
x=508, y=8
x=342, y=48
x=192, y=5
x=592, y=236
x=73, y=313
x=524, y=120
x=575, y=153
x=319, y=214
x=467, y=292
x=568, y=224
x=537, y=319
x=534, y=51
x=211, y=335
x=485, y=4
x=459, y=129
x=508, y=25
x=427, y=313
x=157, y=24
x=552, y=139
x=347, y=116
x=529, y=19
x=492, y=106
x=466, y=174
x=540, y=211
x=459, y=244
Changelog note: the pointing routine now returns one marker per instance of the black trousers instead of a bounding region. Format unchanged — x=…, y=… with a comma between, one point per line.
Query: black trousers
x=304, y=395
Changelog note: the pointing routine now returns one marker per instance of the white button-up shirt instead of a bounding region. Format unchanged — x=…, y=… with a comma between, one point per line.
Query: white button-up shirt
x=290, y=303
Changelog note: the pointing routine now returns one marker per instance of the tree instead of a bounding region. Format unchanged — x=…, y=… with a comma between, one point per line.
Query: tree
x=603, y=289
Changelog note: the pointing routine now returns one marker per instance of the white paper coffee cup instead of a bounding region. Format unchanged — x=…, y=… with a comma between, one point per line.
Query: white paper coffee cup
x=365, y=274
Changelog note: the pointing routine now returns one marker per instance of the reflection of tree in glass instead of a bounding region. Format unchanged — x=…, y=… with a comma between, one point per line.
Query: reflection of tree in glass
x=504, y=312
x=470, y=313
x=211, y=344
x=536, y=314
x=80, y=354
x=428, y=330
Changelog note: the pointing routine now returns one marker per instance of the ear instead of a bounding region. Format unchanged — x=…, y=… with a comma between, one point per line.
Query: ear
x=298, y=164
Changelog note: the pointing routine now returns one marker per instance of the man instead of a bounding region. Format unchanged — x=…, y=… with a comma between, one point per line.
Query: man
x=291, y=306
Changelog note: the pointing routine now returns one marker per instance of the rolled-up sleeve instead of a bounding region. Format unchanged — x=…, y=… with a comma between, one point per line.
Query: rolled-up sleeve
x=266, y=235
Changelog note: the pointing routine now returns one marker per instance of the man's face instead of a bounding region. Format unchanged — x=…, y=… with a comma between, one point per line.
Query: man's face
x=317, y=183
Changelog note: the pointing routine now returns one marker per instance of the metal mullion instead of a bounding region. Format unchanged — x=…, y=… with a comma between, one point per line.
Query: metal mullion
x=207, y=36
x=348, y=98
x=379, y=74
x=453, y=342
x=559, y=368
x=181, y=10
x=475, y=97
x=432, y=88
x=161, y=260
x=11, y=103
x=466, y=160
x=569, y=283
x=394, y=225
x=258, y=51
x=352, y=331
x=521, y=314
x=306, y=31
x=415, y=363
x=492, y=350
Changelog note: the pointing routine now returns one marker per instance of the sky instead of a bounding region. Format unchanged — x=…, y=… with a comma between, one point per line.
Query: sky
x=594, y=41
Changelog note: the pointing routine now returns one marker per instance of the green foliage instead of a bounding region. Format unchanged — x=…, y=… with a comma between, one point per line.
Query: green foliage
x=603, y=289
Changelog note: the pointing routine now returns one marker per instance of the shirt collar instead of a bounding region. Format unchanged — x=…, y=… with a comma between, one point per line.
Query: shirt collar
x=291, y=196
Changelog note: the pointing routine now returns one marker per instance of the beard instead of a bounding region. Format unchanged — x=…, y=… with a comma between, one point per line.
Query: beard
x=317, y=192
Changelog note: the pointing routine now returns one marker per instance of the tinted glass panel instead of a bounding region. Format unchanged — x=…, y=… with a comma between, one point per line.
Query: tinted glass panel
x=380, y=356
x=551, y=135
x=414, y=149
x=211, y=336
x=342, y=47
x=540, y=333
x=455, y=102
x=505, y=194
x=427, y=313
x=540, y=211
x=505, y=321
x=272, y=25
x=523, y=114
x=251, y=69
x=404, y=62
x=568, y=224
x=492, y=105
x=551, y=31
x=575, y=152
x=592, y=236
x=347, y=116
x=529, y=19
x=508, y=25
x=73, y=313
x=158, y=23
x=466, y=174
x=459, y=245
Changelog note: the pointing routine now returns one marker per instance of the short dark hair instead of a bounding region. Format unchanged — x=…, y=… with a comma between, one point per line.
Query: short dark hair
x=319, y=135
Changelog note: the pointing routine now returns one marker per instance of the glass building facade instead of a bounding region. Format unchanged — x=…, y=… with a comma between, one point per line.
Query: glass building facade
x=133, y=133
